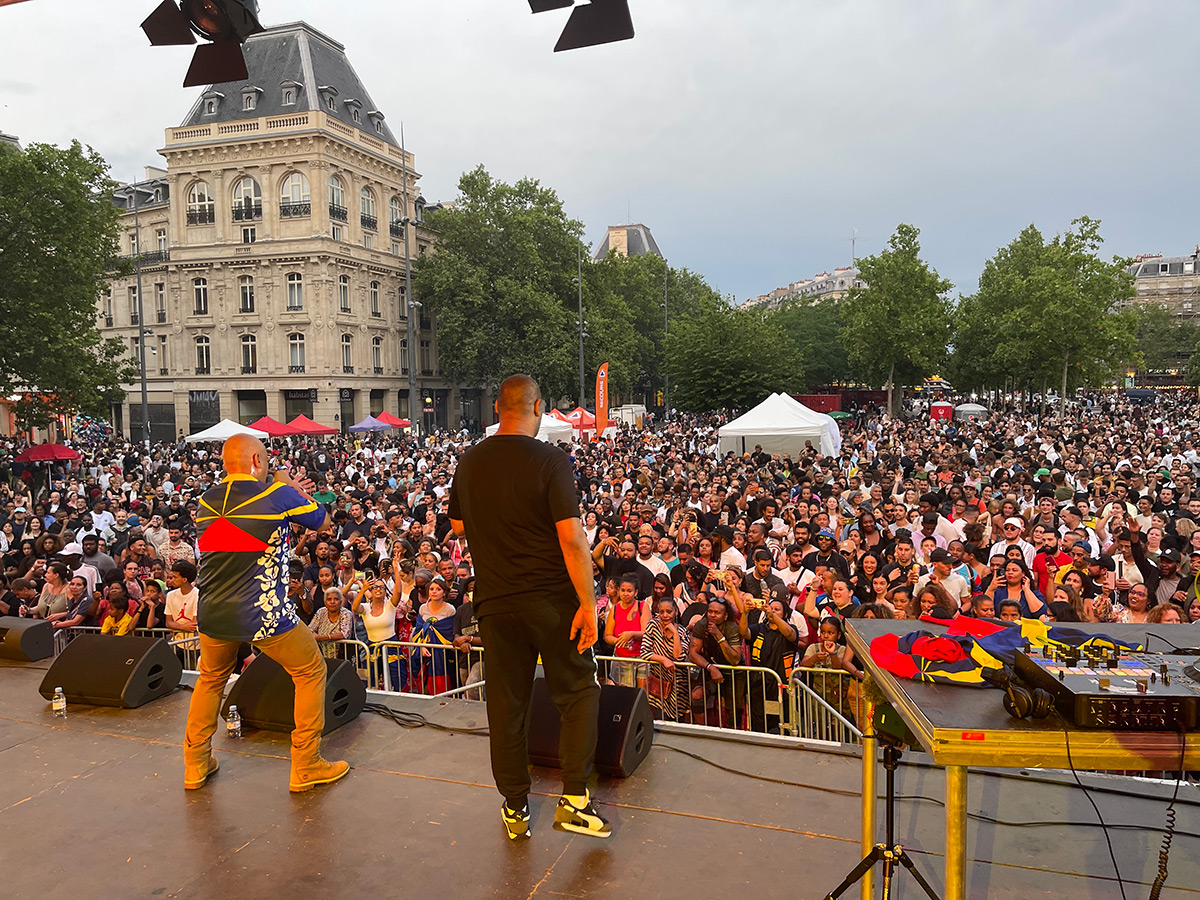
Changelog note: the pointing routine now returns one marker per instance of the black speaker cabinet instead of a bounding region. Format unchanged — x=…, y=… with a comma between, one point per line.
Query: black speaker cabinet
x=266, y=697
x=25, y=639
x=625, y=735
x=106, y=670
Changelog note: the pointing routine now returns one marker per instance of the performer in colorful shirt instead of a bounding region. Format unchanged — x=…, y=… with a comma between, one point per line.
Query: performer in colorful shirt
x=243, y=529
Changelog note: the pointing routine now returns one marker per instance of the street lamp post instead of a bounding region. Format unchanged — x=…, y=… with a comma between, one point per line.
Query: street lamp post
x=666, y=334
x=410, y=306
x=137, y=263
x=582, y=368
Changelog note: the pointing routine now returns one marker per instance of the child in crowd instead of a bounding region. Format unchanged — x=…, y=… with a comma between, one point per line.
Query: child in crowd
x=118, y=620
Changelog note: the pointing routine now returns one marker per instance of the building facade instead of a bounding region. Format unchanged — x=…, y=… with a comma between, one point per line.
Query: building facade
x=825, y=286
x=1173, y=281
x=272, y=255
x=627, y=240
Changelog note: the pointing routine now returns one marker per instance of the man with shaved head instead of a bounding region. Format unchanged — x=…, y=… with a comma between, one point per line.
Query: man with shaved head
x=244, y=527
x=514, y=499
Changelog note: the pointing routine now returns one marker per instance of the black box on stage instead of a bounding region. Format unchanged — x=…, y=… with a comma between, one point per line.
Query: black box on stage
x=25, y=639
x=106, y=670
x=266, y=696
x=624, y=738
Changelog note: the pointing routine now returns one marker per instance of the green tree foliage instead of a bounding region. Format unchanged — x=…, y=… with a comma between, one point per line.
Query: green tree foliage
x=898, y=327
x=816, y=330
x=58, y=242
x=724, y=358
x=1164, y=341
x=1046, y=313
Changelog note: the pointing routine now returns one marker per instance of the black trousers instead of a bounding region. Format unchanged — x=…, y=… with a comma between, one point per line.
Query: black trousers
x=512, y=642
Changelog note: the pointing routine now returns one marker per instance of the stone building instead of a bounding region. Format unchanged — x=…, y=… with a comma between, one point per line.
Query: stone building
x=272, y=254
x=627, y=240
x=1173, y=281
x=833, y=285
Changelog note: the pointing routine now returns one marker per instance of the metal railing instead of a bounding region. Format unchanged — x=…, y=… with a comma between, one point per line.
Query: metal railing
x=186, y=646
x=426, y=670
x=292, y=209
x=826, y=705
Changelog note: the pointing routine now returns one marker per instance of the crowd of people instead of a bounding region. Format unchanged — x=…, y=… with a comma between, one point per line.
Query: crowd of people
x=704, y=562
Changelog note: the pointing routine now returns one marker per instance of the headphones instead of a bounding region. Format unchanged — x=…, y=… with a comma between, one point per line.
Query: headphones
x=1019, y=702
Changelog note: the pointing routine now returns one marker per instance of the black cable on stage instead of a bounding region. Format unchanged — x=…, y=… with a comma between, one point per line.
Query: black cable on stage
x=1164, y=853
x=1079, y=781
x=1183, y=650
x=407, y=719
x=766, y=778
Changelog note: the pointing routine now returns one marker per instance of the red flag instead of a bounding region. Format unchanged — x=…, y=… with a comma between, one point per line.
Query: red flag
x=602, y=400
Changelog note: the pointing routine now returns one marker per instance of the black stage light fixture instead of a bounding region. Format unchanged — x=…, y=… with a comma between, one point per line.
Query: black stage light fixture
x=225, y=23
x=598, y=22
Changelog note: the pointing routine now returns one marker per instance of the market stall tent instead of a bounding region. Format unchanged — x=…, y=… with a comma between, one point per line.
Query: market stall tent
x=970, y=411
x=781, y=424
x=223, y=431
x=941, y=410
x=552, y=430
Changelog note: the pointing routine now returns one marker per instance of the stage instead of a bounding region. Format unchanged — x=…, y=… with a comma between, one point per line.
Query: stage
x=92, y=807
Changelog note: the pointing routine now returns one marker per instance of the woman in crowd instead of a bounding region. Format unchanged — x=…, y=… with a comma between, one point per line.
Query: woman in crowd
x=1138, y=609
x=863, y=579
x=54, y=599
x=627, y=622
x=378, y=608
x=929, y=597
x=133, y=583
x=665, y=648
x=435, y=627
x=1166, y=614
x=1017, y=585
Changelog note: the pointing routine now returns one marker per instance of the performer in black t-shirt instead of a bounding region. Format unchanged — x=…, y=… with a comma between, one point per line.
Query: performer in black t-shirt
x=514, y=500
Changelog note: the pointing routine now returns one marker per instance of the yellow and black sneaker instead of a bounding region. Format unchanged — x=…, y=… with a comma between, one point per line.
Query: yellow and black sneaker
x=581, y=818
x=516, y=821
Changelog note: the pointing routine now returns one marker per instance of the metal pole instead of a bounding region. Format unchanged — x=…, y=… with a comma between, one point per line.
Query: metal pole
x=666, y=334
x=141, y=326
x=582, y=370
x=413, y=401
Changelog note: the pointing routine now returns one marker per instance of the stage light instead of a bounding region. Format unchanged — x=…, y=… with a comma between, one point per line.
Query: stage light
x=598, y=22
x=226, y=23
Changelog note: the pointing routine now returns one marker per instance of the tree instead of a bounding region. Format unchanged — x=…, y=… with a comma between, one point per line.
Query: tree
x=1163, y=340
x=500, y=283
x=721, y=358
x=897, y=327
x=816, y=330
x=58, y=245
x=1047, y=313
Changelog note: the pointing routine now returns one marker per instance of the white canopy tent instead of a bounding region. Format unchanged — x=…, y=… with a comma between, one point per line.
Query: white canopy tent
x=552, y=430
x=224, y=430
x=781, y=424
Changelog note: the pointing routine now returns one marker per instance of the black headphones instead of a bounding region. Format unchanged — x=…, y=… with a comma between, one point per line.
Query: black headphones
x=1019, y=702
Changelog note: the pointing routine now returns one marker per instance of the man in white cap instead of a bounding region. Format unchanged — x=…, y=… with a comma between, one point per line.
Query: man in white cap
x=72, y=557
x=1014, y=536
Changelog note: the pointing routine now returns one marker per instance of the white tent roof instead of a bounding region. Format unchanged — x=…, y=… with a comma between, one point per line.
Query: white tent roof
x=224, y=430
x=552, y=430
x=781, y=424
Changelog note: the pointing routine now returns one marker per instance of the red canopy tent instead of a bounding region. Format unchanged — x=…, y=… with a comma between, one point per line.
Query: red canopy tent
x=46, y=453
x=272, y=427
x=305, y=425
x=556, y=414
x=388, y=419
x=581, y=418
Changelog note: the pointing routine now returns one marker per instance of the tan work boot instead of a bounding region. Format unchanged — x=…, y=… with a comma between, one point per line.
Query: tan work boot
x=198, y=768
x=321, y=772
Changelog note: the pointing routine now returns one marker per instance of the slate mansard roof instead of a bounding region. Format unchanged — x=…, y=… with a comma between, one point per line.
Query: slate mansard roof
x=299, y=57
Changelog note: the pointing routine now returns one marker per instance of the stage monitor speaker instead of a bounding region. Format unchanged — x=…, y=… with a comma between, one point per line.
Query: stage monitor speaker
x=26, y=639
x=625, y=735
x=266, y=696
x=106, y=670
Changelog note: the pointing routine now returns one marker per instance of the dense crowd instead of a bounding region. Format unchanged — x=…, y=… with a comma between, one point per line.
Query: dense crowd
x=704, y=562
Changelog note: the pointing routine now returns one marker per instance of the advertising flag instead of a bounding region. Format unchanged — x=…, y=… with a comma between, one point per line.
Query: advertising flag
x=602, y=400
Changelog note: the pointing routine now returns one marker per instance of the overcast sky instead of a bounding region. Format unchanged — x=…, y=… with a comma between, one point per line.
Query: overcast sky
x=752, y=136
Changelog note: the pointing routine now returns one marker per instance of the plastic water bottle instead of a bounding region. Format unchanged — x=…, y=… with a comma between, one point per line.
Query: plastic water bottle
x=233, y=723
x=59, y=703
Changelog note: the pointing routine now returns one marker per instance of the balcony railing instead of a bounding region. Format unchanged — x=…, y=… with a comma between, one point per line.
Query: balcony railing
x=133, y=318
x=204, y=216
x=247, y=212
x=161, y=316
x=339, y=212
x=200, y=310
x=291, y=210
x=249, y=370
x=151, y=257
x=369, y=222
x=203, y=370
x=396, y=229
x=427, y=371
x=348, y=370
x=379, y=370
x=162, y=371
x=296, y=370
x=108, y=321
x=376, y=314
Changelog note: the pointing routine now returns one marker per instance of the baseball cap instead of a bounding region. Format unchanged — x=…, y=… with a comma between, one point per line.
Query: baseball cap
x=72, y=548
x=1040, y=472
x=724, y=531
x=1105, y=562
x=940, y=555
x=19, y=509
x=826, y=533
x=133, y=521
x=1171, y=554
x=1014, y=520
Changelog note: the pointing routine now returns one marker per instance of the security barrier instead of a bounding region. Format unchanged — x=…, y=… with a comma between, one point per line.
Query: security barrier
x=426, y=670
x=826, y=705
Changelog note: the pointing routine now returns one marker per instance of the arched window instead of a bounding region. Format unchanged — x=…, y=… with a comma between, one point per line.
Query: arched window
x=201, y=210
x=249, y=354
x=288, y=97
x=203, y=356
x=347, y=354
x=294, y=199
x=200, y=297
x=247, y=200
x=395, y=217
x=377, y=355
x=344, y=293
x=369, y=220
x=246, y=289
x=337, y=199
x=295, y=352
x=295, y=290
x=375, y=311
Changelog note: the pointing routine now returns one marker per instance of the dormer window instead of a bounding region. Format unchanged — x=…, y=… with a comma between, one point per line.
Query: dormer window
x=331, y=104
x=378, y=127
x=357, y=116
x=250, y=97
x=289, y=97
x=210, y=107
x=376, y=118
x=355, y=109
x=211, y=100
x=329, y=93
x=290, y=90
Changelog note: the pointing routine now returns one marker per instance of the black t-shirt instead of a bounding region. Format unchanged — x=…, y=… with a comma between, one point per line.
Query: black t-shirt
x=509, y=491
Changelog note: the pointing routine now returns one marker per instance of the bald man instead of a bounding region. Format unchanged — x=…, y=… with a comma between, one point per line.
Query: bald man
x=243, y=528
x=514, y=499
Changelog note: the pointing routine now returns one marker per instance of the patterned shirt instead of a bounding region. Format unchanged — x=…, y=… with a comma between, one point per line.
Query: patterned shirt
x=243, y=535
